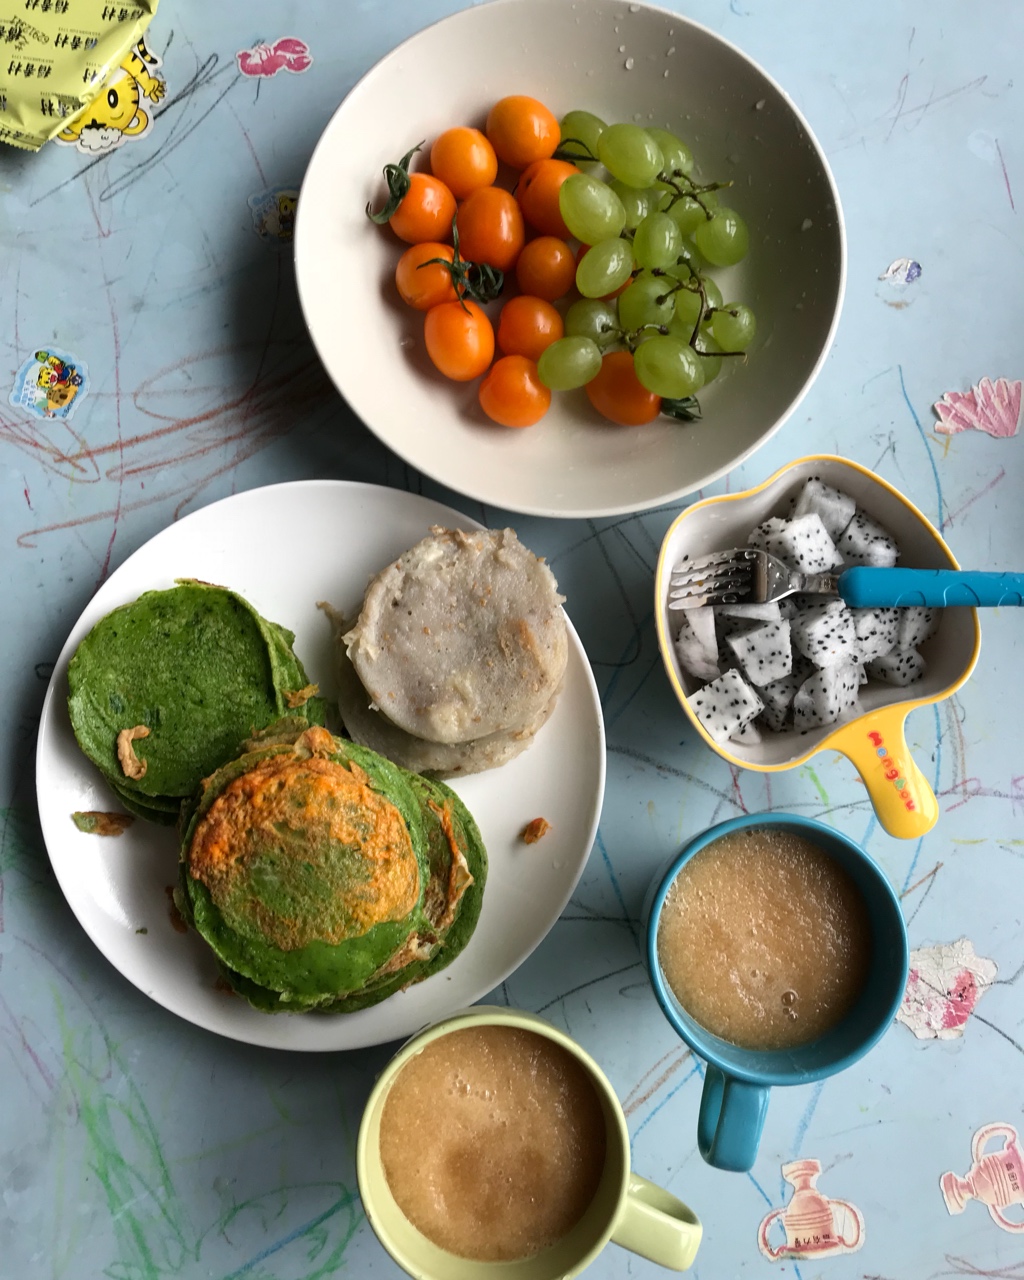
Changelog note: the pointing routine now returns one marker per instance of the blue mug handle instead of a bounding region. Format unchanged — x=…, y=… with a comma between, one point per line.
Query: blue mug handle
x=730, y=1120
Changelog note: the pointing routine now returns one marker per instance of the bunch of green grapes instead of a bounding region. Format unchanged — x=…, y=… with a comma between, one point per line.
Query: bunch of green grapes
x=653, y=232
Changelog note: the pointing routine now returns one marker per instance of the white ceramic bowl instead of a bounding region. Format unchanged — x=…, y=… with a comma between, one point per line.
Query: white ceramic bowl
x=889, y=773
x=625, y=62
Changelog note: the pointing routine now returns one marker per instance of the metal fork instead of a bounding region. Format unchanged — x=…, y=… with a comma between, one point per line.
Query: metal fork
x=745, y=575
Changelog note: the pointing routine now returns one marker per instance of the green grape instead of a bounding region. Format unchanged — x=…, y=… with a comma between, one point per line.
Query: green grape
x=630, y=154
x=676, y=156
x=593, y=319
x=657, y=241
x=724, y=239
x=668, y=367
x=569, y=362
x=585, y=127
x=714, y=294
x=637, y=204
x=711, y=362
x=648, y=300
x=590, y=208
x=659, y=197
x=687, y=214
x=687, y=310
x=604, y=268
x=734, y=327
x=688, y=252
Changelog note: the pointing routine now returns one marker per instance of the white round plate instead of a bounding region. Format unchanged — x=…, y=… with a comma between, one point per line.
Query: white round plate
x=284, y=548
x=625, y=62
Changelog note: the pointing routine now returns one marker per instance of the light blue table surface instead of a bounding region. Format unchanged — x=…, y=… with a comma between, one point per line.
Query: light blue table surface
x=136, y=1146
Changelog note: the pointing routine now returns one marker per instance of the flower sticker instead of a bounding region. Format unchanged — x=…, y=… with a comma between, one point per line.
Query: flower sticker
x=992, y=407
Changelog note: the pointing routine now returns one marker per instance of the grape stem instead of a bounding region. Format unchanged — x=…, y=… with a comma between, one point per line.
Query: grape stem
x=692, y=189
x=397, y=177
x=564, y=151
x=476, y=280
x=695, y=284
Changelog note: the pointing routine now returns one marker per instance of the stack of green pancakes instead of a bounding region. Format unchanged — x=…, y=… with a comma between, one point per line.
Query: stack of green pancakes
x=325, y=877
x=164, y=690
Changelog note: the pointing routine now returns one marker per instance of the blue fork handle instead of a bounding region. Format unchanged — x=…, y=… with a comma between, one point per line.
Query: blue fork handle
x=865, y=587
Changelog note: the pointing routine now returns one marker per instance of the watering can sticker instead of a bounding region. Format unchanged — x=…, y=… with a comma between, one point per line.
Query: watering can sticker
x=811, y=1225
x=996, y=1177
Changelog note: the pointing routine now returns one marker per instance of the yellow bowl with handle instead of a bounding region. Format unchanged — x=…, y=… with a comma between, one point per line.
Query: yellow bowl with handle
x=874, y=740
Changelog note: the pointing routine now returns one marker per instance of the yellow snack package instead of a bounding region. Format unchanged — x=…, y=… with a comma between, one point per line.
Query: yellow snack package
x=68, y=65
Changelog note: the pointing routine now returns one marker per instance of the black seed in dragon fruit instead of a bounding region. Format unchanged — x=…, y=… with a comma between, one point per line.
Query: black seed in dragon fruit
x=865, y=541
x=898, y=666
x=835, y=509
x=825, y=696
x=876, y=631
x=725, y=705
x=764, y=653
x=826, y=634
x=916, y=625
x=804, y=545
x=696, y=643
x=749, y=736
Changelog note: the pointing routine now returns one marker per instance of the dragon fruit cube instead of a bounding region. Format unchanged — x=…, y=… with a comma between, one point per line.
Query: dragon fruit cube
x=779, y=694
x=804, y=545
x=762, y=532
x=835, y=509
x=767, y=612
x=865, y=541
x=696, y=643
x=749, y=736
x=876, y=631
x=725, y=705
x=898, y=666
x=915, y=625
x=826, y=634
x=825, y=696
x=764, y=653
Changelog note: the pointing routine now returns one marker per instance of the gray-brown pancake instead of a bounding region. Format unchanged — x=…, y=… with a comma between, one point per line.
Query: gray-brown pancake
x=462, y=637
x=371, y=728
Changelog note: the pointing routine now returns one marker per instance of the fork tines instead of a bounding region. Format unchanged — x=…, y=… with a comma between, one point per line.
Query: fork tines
x=721, y=578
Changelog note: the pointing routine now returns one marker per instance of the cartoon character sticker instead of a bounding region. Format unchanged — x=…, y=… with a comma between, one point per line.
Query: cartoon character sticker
x=812, y=1225
x=289, y=53
x=996, y=1177
x=273, y=213
x=51, y=384
x=943, y=986
x=116, y=113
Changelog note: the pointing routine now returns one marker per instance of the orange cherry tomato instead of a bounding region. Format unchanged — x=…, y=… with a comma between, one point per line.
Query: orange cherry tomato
x=422, y=283
x=581, y=253
x=425, y=212
x=463, y=159
x=512, y=394
x=546, y=268
x=522, y=130
x=528, y=326
x=537, y=193
x=618, y=394
x=490, y=226
x=460, y=339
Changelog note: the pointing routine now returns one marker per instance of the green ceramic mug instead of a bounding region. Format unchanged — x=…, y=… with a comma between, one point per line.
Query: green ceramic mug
x=626, y=1209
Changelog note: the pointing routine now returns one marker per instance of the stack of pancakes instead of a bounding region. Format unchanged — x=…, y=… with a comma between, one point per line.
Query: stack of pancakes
x=457, y=656
x=325, y=877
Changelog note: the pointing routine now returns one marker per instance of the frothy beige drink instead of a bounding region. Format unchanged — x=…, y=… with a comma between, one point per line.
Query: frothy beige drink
x=492, y=1141
x=764, y=939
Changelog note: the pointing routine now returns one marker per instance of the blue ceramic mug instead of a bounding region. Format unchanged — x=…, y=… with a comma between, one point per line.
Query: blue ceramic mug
x=737, y=1081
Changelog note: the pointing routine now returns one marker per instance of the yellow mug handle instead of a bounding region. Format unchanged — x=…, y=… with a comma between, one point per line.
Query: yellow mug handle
x=876, y=746
x=657, y=1225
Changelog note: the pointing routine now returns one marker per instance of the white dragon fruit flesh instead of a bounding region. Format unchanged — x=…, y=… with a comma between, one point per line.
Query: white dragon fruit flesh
x=764, y=653
x=760, y=534
x=749, y=736
x=826, y=634
x=696, y=643
x=898, y=666
x=836, y=509
x=779, y=694
x=767, y=612
x=876, y=631
x=916, y=624
x=725, y=705
x=825, y=696
x=804, y=545
x=865, y=541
